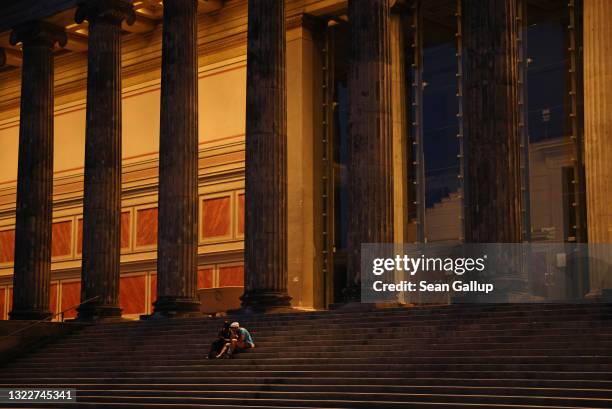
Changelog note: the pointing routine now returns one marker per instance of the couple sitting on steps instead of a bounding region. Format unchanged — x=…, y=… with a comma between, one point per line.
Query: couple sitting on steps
x=231, y=338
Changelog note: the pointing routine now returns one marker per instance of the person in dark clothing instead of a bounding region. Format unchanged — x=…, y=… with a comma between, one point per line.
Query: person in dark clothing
x=223, y=337
x=240, y=340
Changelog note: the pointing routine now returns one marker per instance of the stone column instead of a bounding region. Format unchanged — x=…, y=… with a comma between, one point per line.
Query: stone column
x=598, y=136
x=399, y=117
x=32, y=279
x=493, y=184
x=370, y=163
x=400, y=129
x=178, y=162
x=102, y=193
x=265, y=242
x=492, y=141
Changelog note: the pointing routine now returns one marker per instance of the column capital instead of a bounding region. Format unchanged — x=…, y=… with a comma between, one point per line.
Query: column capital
x=38, y=33
x=110, y=11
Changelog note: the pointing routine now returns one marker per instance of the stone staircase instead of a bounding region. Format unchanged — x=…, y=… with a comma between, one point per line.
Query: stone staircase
x=487, y=356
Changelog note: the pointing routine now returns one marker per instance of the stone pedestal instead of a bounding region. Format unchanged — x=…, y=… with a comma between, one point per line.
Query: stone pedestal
x=102, y=192
x=598, y=137
x=265, y=244
x=32, y=279
x=177, y=243
x=370, y=166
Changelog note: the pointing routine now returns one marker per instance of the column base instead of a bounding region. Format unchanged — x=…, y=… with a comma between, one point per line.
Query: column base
x=169, y=307
x=98, y=312
x=30, y=315
x=601, y=295
x=268, y=302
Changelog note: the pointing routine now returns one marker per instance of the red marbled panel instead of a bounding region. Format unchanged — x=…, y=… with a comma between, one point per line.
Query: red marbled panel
x=125, y=230
x=3, y=304
x=71, y=296
x=79, y=244
x=231, y=276
x=61, y=239
x=7, y=246
x=241, y=213
x=53, y=299
x=216, y=217
x=132, y=294
x=205, y=278
x=153, y=290
x=146, y=227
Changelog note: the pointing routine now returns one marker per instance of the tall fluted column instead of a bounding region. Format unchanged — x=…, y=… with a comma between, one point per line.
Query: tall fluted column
x=370, y=167
x=178, y=162
x=492, y=143
x=493, y=184
x=32, y=279
x=265, y=243
x=598, y=135
x=102, y=196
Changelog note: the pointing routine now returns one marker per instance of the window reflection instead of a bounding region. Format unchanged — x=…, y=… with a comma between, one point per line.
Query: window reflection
x=550, y=146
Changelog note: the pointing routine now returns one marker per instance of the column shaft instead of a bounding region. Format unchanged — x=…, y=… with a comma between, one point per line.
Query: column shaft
x=598, y=135
x=493, y=186
x=265, y=244
x=178, y=162
x=370, y=166
x=102, y=192
x=32, y=279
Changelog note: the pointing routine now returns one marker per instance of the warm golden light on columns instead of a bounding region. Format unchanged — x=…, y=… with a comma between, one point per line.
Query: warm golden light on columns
x=598, y=132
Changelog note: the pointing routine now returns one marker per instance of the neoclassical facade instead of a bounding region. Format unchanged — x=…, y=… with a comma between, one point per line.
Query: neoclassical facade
x=149, y=152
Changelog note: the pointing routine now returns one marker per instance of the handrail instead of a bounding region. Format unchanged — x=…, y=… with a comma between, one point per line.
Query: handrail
x=51, y=315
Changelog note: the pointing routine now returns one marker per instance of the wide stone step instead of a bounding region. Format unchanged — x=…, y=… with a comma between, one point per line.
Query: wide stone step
x=235, y=365
x=561, y=350
x=365, y=336
x=504, y=397
x=255, y=362
x=361, y=325
x=406, y=314
x=468, y=317
x=364, y=381
x=551, y=372
x=354, y=401
x=482, y=310
x=588, y=348
x=260, y=405
x=363, y=329
x=202, y=349
x=354, y=339
x=196, y=389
